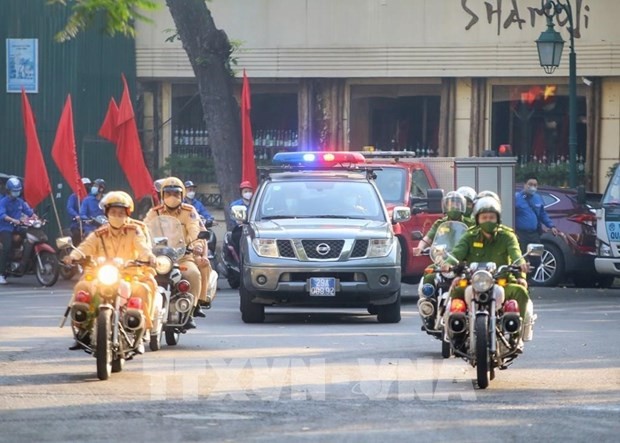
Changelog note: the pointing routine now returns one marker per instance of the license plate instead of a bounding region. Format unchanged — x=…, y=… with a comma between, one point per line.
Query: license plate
x=323, y=286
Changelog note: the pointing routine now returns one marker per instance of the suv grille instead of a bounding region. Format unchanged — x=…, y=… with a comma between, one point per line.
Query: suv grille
x=360, y=248
x=285, y=248
x=332, y=248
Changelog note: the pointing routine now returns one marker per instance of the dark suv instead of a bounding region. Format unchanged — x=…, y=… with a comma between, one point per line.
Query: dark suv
x=570, y=254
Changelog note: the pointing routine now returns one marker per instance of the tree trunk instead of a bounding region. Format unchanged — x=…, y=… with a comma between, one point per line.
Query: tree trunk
x=209, y=49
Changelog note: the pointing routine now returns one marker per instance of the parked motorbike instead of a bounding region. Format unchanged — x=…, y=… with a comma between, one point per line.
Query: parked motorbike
x=30, y=253
x=211, y=242
x=106, y=321
x=174, y=301
x=67, y=272
x=229, y=257
x=484, y=329
x=434, y=296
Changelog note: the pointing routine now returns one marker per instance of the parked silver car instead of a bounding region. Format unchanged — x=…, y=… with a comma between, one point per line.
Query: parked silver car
x=320, y=238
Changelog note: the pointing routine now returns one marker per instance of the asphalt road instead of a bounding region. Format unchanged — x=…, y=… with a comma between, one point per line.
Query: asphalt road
x=330, y=376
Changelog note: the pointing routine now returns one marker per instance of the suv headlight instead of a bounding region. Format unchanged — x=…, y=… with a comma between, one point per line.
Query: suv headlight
x=265, y=247
x=380, y=247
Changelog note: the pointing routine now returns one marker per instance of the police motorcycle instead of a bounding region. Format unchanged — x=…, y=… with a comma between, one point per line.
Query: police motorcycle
x=174, y=301
x=229, y=257
x=107, y=321
x=434, y=297
x=29, y=246
x=486, y=330
x=67, y=272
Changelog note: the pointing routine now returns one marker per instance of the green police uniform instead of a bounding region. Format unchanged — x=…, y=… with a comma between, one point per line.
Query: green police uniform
x=429, y=277
x=502, y=249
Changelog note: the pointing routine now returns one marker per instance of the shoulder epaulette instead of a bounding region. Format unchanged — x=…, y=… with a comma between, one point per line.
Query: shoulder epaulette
x=101, y=231
x=187, y=207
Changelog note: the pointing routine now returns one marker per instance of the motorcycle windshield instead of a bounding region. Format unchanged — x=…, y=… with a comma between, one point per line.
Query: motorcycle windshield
x=167, y=237
x=448, y=235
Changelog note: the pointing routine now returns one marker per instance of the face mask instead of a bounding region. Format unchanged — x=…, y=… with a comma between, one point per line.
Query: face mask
x=191, y=195
x=94, y=190
x=531, y=190
x=116, y=222
x=172, y=202
x=453, y=215
x=14, y=194
x=247, y=195
x=488, y=227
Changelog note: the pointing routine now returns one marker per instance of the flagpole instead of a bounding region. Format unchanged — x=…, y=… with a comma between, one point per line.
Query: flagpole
x=56, y=213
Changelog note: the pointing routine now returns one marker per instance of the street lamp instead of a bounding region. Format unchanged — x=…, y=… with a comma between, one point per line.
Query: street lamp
x=550, y=45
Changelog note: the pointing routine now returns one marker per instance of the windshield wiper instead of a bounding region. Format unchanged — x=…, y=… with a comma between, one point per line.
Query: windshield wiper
x=276, y=217
x=353, y=217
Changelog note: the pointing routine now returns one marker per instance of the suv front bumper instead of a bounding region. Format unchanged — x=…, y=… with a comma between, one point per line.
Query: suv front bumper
x=354, y=285
x=608, y=265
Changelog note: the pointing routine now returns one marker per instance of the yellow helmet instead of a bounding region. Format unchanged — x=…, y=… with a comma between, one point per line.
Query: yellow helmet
x=117, y=199
x=172, y=184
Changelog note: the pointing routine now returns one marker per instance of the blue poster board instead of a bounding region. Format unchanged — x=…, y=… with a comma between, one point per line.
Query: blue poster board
x=22, y=64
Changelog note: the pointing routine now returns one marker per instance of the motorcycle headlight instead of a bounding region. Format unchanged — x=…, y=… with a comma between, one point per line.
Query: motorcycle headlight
x=380, y=247
x=448, y=275
x=163, y=264
x=482, y=281
x=108, y=275
x=265, y=247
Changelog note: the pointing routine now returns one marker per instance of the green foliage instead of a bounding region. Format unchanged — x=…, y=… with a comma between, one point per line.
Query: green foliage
x=612, y=170
x=118, y=16
x=199, y=169
x=554, y=174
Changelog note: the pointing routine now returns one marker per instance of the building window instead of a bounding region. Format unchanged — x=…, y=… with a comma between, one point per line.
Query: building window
x=274, y=123
x=533, y=121
x=395, y=117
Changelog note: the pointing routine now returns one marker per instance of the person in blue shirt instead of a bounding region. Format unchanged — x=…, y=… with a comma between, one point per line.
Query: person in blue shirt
x=190, y=199
x=530, y=216
x=12, y=209
x=247, y=191
x=73, y=209
x=90, y=206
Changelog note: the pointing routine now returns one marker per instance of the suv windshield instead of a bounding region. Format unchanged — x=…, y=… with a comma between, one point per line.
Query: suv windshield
x=612, y=193
x=391, y=184
x=320, y=199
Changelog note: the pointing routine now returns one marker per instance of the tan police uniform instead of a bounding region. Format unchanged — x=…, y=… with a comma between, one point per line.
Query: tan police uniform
x=127, y=243
x=187, y=215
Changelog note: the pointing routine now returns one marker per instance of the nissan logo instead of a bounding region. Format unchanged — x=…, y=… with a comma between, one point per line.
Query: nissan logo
x=323, y=249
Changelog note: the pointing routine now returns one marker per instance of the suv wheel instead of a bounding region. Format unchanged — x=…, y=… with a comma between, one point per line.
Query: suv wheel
x=550, y=272
x=389, y=313
x=250, y=312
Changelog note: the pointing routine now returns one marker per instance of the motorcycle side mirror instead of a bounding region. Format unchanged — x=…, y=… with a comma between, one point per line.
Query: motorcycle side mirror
x=64, y=243
x=535, y=250
x=417, y=235
x=239, y=212
x=203, y=235
x=208, y=223
x=160, y=241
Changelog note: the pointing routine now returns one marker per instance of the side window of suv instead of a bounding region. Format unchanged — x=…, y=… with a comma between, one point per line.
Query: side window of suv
x=549, y=199
x=419, y=183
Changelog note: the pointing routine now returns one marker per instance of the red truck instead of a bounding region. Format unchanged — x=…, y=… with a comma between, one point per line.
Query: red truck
x=405, y=180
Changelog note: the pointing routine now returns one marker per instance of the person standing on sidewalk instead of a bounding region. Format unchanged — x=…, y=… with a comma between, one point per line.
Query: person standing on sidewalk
x=531, y=219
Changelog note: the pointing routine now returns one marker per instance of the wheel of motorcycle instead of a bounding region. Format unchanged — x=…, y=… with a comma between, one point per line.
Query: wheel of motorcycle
x=250, y=312
x=118, y=364
x=155, y=342
x=233, y=280
x=172, y=337
x=389, y=313
x=551, y=270
x=104, y=345
x=446, y=349
x=48, y=269
x=482, y=352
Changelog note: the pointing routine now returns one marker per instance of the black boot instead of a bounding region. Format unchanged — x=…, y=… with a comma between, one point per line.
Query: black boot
x=191, y=324
x=198, y=312
x=76, y=346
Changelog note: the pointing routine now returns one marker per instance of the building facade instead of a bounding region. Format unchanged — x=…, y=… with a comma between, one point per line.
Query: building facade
x=440, y=78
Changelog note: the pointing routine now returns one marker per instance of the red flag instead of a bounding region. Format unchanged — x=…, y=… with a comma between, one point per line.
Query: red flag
x=248, y=165
x=128, y=149
x=63, y=151
x=36, y=182
x=108, y=128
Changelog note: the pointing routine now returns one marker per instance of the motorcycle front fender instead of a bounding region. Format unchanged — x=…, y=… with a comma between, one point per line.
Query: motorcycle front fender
x=40, y=247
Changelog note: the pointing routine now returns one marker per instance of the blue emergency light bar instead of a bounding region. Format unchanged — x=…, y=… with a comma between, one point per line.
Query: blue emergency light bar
x=317, y=158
